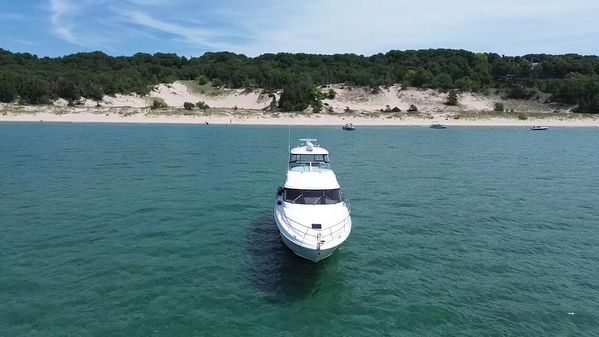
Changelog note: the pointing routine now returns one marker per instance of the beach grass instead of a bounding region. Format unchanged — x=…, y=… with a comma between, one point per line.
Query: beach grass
x=470, y=115
x=207, y=89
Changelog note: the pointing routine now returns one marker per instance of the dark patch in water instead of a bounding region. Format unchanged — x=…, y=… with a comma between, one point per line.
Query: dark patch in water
x=274, y=269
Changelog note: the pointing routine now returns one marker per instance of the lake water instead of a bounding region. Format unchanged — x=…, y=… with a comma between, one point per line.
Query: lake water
x=167, y=230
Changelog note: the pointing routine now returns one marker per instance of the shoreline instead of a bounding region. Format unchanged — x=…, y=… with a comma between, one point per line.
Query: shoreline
x=294, y=119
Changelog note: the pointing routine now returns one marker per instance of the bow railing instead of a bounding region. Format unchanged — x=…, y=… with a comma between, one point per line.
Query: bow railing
x=323, y=235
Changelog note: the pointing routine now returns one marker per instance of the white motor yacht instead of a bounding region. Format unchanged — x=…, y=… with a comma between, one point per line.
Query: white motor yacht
x=311, y=214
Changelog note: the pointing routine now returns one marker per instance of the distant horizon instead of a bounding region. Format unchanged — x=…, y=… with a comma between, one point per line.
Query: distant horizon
x=283, y=52
x=55, y=28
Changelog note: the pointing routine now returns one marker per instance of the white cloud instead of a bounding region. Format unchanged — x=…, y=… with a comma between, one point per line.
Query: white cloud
x=376, y=26
x=328, y=26
x=60, y=9
x=150, y=2
x=195, y=36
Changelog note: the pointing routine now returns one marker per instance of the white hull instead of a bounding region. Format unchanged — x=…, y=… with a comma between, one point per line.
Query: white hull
x=310, y=251
x=307, y=253
x=311, y=214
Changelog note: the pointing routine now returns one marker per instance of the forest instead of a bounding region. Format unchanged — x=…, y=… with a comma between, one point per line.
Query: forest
x=569, y=79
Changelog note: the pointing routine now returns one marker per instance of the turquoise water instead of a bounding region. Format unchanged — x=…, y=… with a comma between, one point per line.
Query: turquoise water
x=155, y=230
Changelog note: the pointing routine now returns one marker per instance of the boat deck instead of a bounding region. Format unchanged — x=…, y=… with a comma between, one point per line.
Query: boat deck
x=313, y=167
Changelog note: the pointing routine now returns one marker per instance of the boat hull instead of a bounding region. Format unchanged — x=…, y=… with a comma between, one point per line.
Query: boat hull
x=309, y=253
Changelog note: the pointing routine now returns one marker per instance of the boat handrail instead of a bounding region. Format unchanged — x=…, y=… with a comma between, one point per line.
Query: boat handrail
x=305, y=230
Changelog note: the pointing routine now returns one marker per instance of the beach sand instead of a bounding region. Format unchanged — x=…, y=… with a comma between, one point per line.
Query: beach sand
x=357, y=105
x=224, y=117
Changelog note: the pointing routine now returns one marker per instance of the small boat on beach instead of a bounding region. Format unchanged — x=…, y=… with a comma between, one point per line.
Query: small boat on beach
x=539, y=128
x=311, y=214
x=437, y=125
x=348, y=127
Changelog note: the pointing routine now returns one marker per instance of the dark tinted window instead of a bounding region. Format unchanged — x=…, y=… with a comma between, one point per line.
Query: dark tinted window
x=332, y=196
x=293, y=196
x=313, y=197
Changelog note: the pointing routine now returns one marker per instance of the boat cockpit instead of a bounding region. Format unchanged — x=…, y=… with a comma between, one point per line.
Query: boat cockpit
x=312, y=197
x=309, y=162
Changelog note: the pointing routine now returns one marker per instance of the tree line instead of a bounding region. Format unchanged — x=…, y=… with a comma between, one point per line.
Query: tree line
x=569, y=79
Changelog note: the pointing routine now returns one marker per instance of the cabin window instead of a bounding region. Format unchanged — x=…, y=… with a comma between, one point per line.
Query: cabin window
x=309, y=158
x=313, y=197
x=332, y=196
x=318, y=161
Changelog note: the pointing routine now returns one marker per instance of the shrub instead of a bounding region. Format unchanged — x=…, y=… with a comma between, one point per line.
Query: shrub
x=202, y=80
x=452, y=98
x=217, y=82
x=273, y=104
x=520, y=92
x=413, y=108
x=396, y=109
x=8, y=92
x=202, y=105
x=188, y=105
x=522, y=117
x=317, y=108
x=499, y=107
x=331, y=94
x=158, y=104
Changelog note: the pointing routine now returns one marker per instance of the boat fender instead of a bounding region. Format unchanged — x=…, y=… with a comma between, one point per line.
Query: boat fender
x=280, y=191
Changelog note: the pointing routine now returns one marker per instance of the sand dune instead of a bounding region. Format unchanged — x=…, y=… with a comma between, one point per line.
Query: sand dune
x=235, y=106
x=427, y=100
x=360, y=99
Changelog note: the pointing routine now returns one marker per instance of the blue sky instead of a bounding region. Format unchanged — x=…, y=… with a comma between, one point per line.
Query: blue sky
x=190, y=28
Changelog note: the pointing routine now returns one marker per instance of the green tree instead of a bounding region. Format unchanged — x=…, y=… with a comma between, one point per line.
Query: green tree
x=297, y=96
x=442, y=81
x=8, y=91
x=202, y=80
x=452, y=98
x=35, y=91
x=67, y=89
x=570, y=79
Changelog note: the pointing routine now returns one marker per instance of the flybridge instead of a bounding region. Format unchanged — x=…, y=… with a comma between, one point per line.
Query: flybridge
x=309, y=158
x=308, y=143
x=310, y=211
x=309, y=146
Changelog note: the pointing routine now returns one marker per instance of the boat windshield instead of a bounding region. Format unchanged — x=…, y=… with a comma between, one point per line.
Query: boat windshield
x=313, y=197
x=307, y=161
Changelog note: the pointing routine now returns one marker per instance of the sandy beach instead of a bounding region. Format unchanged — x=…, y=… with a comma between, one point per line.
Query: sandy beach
x=308, y=119
x=357, y=105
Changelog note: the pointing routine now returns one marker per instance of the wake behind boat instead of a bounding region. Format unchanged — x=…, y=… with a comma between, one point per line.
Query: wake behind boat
x=312, y=217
